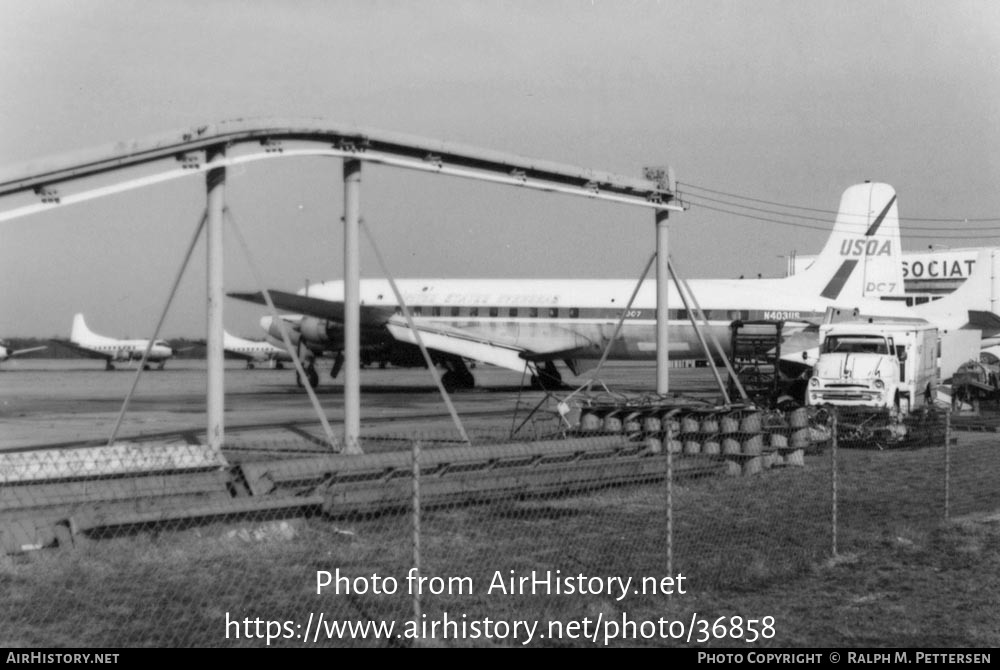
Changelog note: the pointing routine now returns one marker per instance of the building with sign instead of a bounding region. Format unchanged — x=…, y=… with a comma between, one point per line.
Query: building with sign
x=928, y=275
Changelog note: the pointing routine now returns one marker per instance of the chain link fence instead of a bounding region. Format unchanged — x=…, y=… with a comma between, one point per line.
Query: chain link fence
x=583, y=536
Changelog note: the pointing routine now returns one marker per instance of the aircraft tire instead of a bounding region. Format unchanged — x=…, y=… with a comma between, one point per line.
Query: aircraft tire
x=546, y=381
x=543, y=384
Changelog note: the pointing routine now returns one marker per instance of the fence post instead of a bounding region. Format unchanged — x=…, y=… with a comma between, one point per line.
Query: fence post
x=670, y=503
x=416, y=531
x=947, y=465
x=833, y=470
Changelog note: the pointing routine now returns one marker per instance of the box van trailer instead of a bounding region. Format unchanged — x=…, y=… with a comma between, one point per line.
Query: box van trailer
x=879, y=365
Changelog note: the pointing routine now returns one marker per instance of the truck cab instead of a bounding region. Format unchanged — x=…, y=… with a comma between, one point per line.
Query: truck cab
x=878, y=365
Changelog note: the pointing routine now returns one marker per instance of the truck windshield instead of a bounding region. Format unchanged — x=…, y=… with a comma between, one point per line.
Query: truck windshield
x=855, y=344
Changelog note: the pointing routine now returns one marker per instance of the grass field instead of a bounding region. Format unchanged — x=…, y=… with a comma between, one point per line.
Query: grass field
x=749, y=547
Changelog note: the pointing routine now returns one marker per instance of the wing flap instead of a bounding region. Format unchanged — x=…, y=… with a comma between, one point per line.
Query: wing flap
x=504, y=356
x=495, y=347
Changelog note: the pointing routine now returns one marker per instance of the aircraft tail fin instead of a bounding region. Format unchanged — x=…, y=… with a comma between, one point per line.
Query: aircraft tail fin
x=80, y=332
x=862, y=257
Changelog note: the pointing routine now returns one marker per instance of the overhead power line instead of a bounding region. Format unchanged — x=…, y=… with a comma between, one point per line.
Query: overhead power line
x=945, y=236
x=828, y=211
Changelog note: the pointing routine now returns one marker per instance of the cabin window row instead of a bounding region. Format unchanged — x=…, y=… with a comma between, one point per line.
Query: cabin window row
x=530, y=312
x=564, y=312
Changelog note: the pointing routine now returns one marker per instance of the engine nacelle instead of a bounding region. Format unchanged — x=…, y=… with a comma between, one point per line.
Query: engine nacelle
x=321, y=332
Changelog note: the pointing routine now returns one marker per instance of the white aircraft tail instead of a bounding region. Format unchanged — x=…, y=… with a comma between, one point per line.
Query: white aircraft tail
x=863, y=256
x=80, y=332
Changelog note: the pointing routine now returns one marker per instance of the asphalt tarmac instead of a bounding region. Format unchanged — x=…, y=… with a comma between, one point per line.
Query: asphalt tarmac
x=70, y=402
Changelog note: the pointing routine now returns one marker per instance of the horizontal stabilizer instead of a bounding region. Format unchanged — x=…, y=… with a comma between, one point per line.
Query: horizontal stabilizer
x=986, y=321
x=323, y=309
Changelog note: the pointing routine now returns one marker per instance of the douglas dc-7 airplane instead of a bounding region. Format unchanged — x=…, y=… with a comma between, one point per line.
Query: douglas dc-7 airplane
x=255, y=351
x=531, y=323
x=88, y=343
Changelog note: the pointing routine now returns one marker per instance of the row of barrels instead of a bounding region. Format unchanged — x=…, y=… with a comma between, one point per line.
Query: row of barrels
x=747, y=457
x=740, y=439
x=704, y=425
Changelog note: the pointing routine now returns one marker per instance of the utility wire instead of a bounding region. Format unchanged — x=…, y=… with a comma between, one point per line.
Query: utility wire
x=827, y=211
x=946, y=235
x=863, y=219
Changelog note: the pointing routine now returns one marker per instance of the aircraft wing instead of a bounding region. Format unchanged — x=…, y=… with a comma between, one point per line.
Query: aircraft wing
x=493, y=348
x=323, y=309
x=83, y=351
x=21, y=352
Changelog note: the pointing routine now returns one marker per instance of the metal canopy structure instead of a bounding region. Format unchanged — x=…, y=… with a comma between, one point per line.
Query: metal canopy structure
x=84, y=175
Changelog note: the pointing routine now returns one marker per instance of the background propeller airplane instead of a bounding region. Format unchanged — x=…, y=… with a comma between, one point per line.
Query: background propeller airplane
x=112, y=350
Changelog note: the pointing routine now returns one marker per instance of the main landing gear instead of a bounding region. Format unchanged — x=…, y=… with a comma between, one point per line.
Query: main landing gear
x=457, y=375
x=338, y=363
x=548, y=378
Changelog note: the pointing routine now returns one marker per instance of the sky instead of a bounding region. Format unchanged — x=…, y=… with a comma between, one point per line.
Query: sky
x=781, y=101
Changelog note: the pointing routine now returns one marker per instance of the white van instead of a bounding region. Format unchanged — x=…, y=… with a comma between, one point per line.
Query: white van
x=881, y=365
